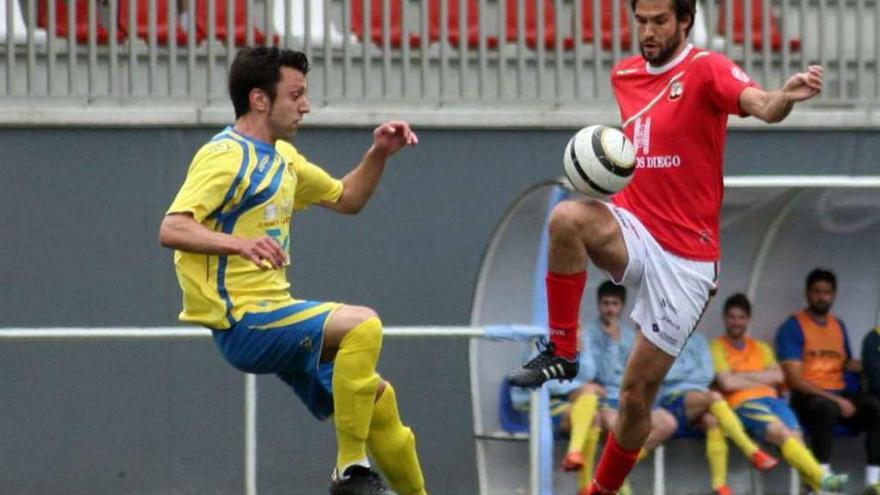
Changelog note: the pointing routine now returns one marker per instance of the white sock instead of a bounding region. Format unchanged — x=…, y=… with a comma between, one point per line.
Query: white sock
x=826, y=468
x=872, y=475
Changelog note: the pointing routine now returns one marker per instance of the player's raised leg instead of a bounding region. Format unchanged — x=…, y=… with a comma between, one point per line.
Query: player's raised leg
x=579, y=230
x=353, y=340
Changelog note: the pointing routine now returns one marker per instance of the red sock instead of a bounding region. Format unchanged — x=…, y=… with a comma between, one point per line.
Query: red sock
x=564, y=294
x=614, y=466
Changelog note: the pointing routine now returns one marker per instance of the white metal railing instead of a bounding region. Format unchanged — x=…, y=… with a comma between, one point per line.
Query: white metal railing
x=436, y=52
x=250, y=382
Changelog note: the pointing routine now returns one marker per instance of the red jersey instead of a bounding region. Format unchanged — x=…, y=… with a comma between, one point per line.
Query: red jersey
x=676, y=117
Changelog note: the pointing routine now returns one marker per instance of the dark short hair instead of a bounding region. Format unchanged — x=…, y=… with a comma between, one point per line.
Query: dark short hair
x=610, y=289
x=738, y=300
x=260, y=68
x=682, y=8
x=821, y=275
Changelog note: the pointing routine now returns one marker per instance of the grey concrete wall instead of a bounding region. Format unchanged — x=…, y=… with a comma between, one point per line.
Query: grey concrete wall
x=78, y=241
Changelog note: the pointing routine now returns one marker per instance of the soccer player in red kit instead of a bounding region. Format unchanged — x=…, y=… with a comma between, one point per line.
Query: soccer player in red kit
x=661, y=232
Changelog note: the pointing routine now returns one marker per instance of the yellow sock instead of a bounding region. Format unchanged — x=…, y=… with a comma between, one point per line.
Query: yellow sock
x=732, y=427
x=393, y=446
x=355, y=382
x=802, y=460
x=591, y=444
x=582, y=414
x=716, y=453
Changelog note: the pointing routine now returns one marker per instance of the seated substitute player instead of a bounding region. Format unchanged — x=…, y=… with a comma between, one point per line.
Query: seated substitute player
x=662, y=231
x=230, y=227
x=813, y=347
x=747, y=374
x=685, y=394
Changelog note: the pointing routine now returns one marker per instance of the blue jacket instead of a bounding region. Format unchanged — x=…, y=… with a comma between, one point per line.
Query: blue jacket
x=609, y=355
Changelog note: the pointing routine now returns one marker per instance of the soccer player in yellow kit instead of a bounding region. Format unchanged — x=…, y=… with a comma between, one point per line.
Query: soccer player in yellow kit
x=748, y=375
x=230, y=228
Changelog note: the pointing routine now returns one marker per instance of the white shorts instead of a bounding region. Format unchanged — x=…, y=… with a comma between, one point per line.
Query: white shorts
x=673, y=292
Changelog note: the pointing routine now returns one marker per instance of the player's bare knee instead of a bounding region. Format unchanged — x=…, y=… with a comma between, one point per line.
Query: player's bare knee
x=777, y=434
x=664, y=424
x=709, y=422
x=360, y=314
x=567, y=218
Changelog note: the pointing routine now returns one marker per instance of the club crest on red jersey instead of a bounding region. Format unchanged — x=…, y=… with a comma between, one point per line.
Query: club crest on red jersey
x=676, y=90
x=739, y=74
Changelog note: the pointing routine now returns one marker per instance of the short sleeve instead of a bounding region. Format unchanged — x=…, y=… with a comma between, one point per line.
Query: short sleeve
x=725, y=82
x=211, y=178
x=790, y=341
x=719, y=356
x=766, y=354
x=313, y=184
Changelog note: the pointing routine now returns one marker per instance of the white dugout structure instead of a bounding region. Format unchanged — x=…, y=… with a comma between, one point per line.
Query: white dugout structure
x=775, y=229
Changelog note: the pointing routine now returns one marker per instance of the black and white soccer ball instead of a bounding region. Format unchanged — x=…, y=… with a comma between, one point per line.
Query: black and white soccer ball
x=599, y=161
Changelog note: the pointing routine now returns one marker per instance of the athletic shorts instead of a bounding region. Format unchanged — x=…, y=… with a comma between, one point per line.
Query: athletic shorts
x=287, y=342
x=673, y=292
x=757, y=414
x=673, y=402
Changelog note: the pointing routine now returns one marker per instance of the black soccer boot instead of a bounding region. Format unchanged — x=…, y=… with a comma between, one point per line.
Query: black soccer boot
x=359, y=480
x=545, y=366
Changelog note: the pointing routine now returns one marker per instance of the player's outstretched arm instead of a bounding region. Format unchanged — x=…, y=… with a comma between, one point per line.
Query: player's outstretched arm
x=359, y=184
x=774, y=106
x=180, y=231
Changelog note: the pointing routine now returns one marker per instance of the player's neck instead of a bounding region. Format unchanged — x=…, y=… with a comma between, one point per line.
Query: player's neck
x=255, y=128
x=737, y=342
x=672, y=60
x=820, y=319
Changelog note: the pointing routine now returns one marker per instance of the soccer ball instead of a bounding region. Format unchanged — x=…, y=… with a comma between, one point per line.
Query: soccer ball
x=599, y=161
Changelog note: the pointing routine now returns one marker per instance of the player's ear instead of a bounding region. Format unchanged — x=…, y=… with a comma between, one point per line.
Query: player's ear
x=259, y=100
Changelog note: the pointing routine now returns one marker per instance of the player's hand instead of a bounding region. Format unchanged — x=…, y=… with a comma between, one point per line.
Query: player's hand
x=804, y=85
x=390, y=137
x=265, y=252
x=847, y=409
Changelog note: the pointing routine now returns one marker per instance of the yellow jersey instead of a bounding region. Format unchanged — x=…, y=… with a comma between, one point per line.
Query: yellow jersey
x=250, y=189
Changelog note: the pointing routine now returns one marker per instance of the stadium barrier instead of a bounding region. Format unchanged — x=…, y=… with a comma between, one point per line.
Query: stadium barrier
x=436, y=53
